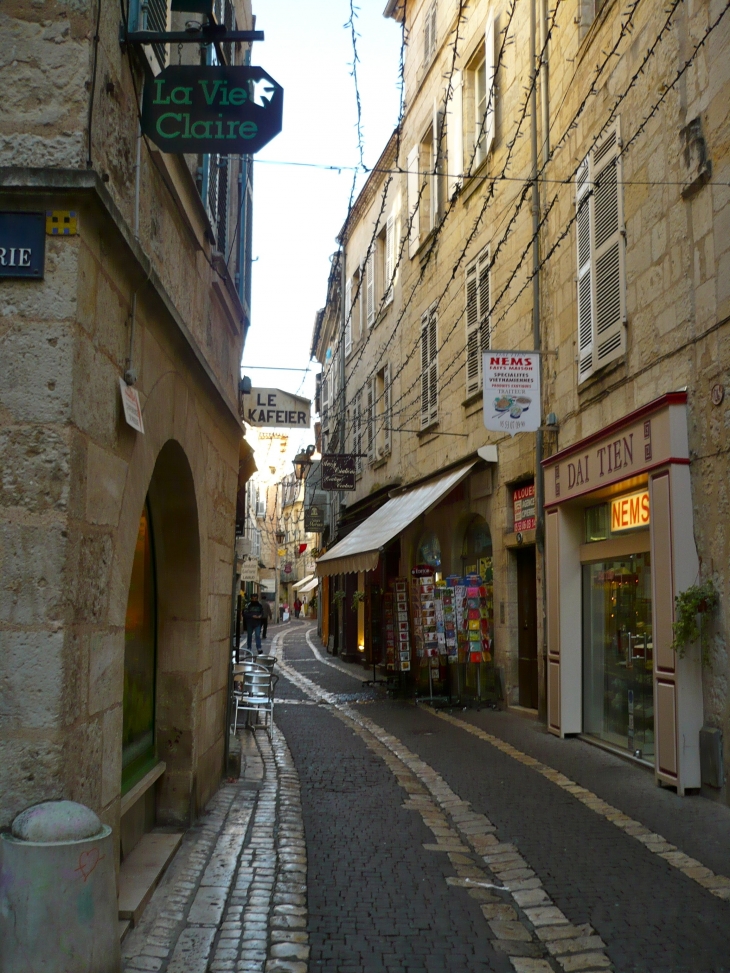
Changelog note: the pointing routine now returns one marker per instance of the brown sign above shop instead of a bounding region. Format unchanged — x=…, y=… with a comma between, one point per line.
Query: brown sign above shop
x=338, y=471
x=651, y=436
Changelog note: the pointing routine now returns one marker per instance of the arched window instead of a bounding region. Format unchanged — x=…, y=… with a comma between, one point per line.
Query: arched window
x=476, y=555
x=140, y=662
x=429, y=551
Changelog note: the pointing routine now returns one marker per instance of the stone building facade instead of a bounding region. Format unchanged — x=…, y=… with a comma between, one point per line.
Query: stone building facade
x=616, y=267
x=117, y=553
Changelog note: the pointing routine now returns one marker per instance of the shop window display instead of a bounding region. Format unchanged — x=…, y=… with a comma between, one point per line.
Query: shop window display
x=429, y=552
x=618, y=700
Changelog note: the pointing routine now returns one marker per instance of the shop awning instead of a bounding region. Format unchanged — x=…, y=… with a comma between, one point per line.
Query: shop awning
x=309, y=586
x=360, y=550
x=299, y=584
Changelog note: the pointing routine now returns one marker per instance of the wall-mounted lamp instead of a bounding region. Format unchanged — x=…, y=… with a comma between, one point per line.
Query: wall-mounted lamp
x=303, y=463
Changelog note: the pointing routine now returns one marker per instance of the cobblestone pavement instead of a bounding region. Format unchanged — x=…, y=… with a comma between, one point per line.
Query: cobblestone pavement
x=372, y=835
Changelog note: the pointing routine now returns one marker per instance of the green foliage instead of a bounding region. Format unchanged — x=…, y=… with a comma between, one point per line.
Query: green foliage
x=358, y=598
x=692, y=610
x=338, y=597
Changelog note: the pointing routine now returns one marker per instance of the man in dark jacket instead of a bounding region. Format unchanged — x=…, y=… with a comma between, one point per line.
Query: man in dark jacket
x=267, y=617
x=254, y=615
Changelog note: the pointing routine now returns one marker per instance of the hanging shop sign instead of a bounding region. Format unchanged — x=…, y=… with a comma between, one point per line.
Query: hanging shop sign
x=217, y=109
x=511, y=391
x=288, y=567
x=22, y=244
x=523, y=508
x=314, y=519
x=250, y=569
x=630, y=512
x=132, y=407
x=272, y=407
x=338, y=471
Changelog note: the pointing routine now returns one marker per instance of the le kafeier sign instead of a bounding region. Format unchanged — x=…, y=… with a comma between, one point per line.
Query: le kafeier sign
x=511, y=391
x=212, y=109
x=272, y=407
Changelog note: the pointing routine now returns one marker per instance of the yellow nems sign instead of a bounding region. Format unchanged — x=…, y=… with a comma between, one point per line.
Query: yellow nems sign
x=630, y=512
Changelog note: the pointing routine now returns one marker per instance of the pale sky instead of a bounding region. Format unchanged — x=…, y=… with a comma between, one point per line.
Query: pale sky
x=298, y=211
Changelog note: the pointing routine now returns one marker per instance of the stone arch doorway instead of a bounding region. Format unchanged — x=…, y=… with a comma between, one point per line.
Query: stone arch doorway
x=161, y=663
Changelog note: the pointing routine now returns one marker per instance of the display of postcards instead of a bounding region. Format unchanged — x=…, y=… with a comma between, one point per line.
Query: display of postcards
x=473, y=613
x=402, y=616
x=475, y=657
x=440, y=638
x=402, y=636
x=401, y=584
x=475, y=636
x=405, y=666
x=474, y=625
x=402, y=626
x=427, y=589
x=485, y=625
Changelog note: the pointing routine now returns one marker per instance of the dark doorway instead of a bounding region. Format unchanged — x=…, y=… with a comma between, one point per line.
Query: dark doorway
x=527, y=627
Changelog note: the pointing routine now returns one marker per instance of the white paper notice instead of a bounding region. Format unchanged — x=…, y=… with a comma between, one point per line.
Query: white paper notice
x=132, y=408
x=511, y=391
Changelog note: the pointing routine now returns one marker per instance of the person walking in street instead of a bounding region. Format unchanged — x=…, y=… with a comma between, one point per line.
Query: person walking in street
x=254, y=615
x=297, y=607
x=267, y=617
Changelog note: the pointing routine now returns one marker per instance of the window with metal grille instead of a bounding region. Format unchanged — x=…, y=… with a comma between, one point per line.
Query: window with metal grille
x=429, y=368
x=153, y=16
x=477, y=320
x=601, y=257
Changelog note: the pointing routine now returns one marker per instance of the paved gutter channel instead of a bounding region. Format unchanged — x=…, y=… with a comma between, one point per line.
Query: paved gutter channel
x=234, y=898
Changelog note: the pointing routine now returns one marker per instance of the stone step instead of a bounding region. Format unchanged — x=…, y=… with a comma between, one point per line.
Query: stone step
x=141, y=871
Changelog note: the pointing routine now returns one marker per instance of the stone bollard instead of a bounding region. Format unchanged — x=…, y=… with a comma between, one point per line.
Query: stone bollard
x=58, y=901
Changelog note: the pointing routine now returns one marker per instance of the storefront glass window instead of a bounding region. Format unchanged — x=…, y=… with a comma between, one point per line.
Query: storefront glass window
x=597, y=523
x=140, y=637
x=618, y=698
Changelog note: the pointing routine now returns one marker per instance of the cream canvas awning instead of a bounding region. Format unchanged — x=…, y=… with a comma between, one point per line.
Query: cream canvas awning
x=360, y=550
x=309, y=586
x=300, y=584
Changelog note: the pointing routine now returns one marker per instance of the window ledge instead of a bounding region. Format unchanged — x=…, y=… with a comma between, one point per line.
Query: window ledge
x=381, y=461
x=473, y=399
x=428, y=430
x=602, y=381
x=470, y=185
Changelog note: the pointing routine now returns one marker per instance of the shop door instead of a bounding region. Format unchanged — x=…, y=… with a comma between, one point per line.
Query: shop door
x=527, y=621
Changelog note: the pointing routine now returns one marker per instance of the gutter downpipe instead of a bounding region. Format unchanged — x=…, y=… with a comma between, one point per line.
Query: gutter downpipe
x=343, y=411
x=536, y=336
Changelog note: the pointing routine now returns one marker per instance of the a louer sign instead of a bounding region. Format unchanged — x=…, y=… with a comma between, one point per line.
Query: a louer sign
x=212, y=109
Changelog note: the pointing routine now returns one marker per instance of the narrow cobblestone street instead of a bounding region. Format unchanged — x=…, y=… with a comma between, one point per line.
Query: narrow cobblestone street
x=375, y=835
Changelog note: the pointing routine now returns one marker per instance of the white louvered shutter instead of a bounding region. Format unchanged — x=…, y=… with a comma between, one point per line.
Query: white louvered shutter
x=389, y=256
x=455, y=136
x=348, y=318
x=436, y=154
x=585, y=274
x=608, y=240
x=472, y=329
x=413, y=180
x=357, y=435
x=427, y=37
x=370, y=417
x=429, y=369
x=370, y=287
x=325, y=397
x=490, y=63
x=387, y=419
x=362, y=302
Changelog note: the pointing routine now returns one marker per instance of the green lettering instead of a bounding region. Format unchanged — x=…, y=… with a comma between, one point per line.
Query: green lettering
x=185, y=100
x=159, y=100
x=160, y=120
x=210, y=97
x=248, y=130
x=205, y=133
x=237, y=96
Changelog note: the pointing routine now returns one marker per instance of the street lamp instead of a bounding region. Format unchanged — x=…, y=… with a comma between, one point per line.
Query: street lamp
x=280, y=536
x=303, y=463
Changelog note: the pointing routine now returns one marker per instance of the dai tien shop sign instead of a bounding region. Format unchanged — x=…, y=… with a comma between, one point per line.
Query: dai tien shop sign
x=212, y=109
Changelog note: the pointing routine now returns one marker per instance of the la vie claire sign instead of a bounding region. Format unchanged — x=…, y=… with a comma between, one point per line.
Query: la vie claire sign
x=212, y=109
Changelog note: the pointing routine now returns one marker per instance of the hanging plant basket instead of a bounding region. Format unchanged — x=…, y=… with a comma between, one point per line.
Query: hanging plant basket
x=358, y=597
x=338, y=597
x=693, y=610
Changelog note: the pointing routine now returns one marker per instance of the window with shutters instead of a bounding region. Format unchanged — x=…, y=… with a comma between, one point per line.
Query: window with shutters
x=325, y=398
x=348, y=315
x=480, y=99
x=370, y=420
x=357, y=434
x=429, y=368
x=260, y=508
x=369, y=270
x=601, y=257
x=389, y=257
x=429, y=33
x=478, y=323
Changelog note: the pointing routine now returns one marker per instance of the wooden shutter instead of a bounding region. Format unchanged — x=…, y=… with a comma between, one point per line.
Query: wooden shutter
x=601, y=258
x=427, y=37
x=585, y=275
x=610, y=317
x=490, y=65
x=370, y=417
x=386, y=410
x=477, y=320
x=348, y=316
x=435, y=164
x=432, y=16
x=370, y=287
x=455, y=136
x=413, y=181
x=325, y=392
x=357, y=435
x=429, y=369
x=389, y=256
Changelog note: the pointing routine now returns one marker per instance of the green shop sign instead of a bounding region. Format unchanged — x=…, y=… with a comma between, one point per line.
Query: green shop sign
x=217, y=109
